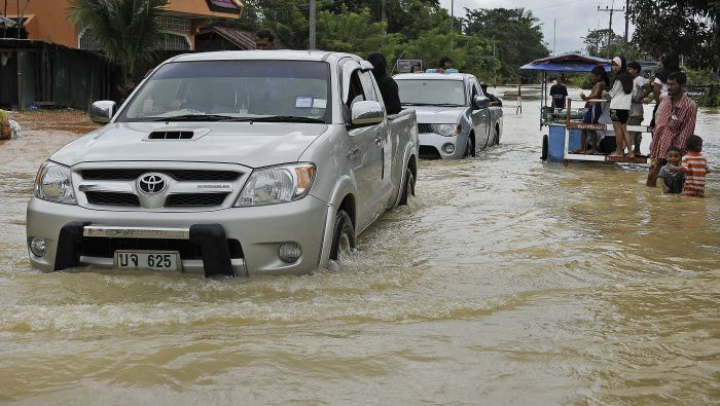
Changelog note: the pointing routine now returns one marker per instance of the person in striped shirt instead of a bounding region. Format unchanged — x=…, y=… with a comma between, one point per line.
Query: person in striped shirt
x=695, y=167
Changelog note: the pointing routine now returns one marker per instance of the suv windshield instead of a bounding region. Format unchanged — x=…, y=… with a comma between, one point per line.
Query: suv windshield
x=234, y=91
x=436, y=92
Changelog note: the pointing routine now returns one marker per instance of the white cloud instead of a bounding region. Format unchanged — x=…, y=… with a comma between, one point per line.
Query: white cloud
x=564, y=22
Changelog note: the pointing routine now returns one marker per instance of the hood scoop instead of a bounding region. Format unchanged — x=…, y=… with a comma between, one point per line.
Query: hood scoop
x=176, y=134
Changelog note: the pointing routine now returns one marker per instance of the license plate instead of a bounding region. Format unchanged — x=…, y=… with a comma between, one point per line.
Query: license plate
x=162, y=260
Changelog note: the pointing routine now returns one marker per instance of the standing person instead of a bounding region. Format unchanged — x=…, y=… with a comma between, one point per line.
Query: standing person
x=675, y=121
x=594, y=110
x=416, y=68
x=668, y=63
x=558, y=92
x=620, y=103
x=264, y=40
x=387, y=85
x=695, y=167
x=671, y=174
x=640, y=91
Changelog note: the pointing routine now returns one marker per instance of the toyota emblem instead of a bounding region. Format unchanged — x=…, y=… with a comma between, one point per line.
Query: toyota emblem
x=152, y=183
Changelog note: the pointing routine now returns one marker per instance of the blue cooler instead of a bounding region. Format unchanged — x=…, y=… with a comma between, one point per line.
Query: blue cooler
x=556, y=142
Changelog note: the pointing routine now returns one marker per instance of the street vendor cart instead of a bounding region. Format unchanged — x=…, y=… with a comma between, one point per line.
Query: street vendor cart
x=565, y=125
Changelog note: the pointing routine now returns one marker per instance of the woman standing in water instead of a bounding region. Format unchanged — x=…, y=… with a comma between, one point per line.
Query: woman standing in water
x=620, y=103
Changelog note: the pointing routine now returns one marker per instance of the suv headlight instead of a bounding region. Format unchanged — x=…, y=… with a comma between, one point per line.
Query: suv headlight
x=277, y=184
x=54, y=184
x=448, y=130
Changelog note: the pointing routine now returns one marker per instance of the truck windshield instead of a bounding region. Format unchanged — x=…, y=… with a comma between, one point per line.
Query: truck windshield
x=234, y=91
x=432, y=92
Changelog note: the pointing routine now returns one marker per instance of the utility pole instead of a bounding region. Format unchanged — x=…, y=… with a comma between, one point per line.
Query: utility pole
x=554, y=30
x=383, y=4
x=312, y=24
x=452, y=22
x=627, y=19
x=610, y=10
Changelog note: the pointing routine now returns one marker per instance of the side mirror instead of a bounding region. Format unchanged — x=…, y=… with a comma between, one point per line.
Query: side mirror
x=367, y=113
x=481, y=102
x=102, y=111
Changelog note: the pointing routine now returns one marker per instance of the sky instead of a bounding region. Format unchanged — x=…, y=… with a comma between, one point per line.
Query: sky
x=572, y=18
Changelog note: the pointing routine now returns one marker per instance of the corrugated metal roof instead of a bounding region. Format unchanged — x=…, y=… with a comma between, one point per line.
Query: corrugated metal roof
x=239, y=38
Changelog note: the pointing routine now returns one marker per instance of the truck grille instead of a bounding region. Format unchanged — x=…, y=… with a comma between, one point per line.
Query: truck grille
x=196, y=200
x=182, y=175
x=113, y=199
x=189, y=188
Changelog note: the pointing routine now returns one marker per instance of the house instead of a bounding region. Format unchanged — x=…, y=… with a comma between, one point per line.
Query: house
x=181, y=21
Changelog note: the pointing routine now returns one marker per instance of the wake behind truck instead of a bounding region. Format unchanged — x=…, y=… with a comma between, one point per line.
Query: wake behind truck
x=227, y=163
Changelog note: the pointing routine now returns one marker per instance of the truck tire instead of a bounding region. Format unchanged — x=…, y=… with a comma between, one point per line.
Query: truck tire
x=544, y=154
x=408, y=188
x=343, y=235
x=469, y=148
x=496, y=137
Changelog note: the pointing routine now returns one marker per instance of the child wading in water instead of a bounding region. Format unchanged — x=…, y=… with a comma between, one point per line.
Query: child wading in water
x=671, y=174
x=695, y=167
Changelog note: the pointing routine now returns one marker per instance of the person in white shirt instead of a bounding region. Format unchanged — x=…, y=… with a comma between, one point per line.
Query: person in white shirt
x=620, y=103
x=641, y=88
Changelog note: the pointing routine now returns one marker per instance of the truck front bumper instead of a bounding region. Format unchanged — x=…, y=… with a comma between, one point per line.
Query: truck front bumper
x=236, y=241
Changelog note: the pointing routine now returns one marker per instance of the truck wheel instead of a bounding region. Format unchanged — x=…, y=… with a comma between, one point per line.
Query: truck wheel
x=544, y=154
x=343, y=236
x=469, y=148
x=408, y=187
x=496, y=138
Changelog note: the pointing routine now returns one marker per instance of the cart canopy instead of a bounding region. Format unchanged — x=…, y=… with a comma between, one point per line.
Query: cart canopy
x=567, y=63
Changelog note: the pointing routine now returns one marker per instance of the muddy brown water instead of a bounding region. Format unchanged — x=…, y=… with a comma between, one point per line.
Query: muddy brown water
x=506, y=282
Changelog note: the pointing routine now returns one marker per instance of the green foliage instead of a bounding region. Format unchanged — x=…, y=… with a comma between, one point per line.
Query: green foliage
x=350, y=32
x=516, y=34
x=689, y=27
x=126, y=30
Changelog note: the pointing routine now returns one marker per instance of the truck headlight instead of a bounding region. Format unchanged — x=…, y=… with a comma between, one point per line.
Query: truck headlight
x=448, y=130
x=277, y=184
x=53, y=183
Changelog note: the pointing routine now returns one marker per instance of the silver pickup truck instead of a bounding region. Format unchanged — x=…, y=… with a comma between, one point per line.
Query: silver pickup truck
x=227, y=163
x=454, y=116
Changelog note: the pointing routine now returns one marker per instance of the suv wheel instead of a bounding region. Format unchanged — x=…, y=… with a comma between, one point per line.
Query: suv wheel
x=408, y=187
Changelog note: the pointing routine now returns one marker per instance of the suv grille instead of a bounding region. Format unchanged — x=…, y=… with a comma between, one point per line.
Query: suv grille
x=183, y=175
x=425, y=128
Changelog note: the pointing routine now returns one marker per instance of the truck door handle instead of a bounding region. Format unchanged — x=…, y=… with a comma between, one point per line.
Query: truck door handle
x=379, y=140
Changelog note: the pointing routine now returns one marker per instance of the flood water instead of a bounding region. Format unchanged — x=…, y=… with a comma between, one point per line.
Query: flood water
x=508, y=281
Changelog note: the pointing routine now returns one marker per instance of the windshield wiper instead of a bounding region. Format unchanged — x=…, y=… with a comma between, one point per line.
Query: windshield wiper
x=193, y=117
x=287, y=119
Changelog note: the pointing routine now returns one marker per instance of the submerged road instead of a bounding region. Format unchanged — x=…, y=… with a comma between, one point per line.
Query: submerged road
x=507, y=281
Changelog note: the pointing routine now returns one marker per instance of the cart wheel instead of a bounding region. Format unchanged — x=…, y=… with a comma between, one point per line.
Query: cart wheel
x=543, y=156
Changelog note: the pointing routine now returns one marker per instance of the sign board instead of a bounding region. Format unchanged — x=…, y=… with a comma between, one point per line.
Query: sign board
x=405, y=65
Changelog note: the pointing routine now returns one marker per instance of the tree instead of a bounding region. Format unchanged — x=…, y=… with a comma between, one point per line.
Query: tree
x=689, y=27
x=516, y=34
x=126, y=30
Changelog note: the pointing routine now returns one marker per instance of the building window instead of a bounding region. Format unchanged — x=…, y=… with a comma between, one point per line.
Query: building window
x=174, y=24
x=173, y=42
x=87, y=41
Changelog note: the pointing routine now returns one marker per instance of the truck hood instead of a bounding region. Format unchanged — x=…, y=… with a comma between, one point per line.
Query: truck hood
x=253, y=145
x=438, y=115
